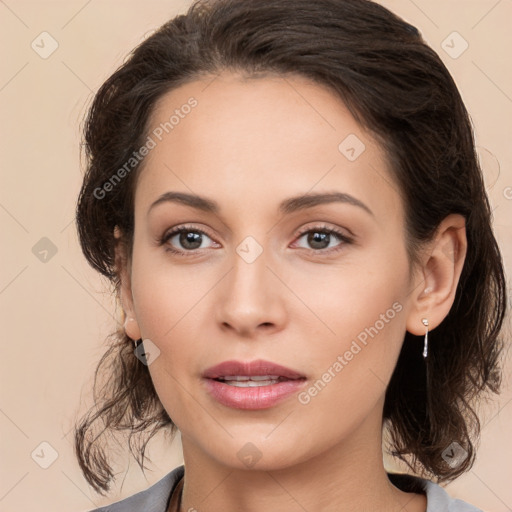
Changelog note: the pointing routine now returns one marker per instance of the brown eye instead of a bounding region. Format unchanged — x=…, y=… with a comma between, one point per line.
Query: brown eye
x=182, y=240
x=320, y=239
x=189, y=239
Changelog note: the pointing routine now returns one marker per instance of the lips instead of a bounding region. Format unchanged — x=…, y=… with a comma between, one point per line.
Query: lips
x=252, y=385
x=251, y=369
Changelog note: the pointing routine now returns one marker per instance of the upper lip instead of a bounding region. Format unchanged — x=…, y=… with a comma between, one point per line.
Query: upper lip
x=250, y=369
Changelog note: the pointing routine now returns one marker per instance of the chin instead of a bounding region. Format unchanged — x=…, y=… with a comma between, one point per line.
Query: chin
x=260, y=454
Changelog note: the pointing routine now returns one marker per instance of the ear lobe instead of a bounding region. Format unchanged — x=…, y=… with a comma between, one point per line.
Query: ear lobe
x=438, y=279
x=131, y=326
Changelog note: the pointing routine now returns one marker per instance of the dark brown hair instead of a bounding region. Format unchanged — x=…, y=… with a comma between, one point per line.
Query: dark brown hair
x=396, y=87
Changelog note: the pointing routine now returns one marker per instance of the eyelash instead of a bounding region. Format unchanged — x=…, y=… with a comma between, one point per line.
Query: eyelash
x=316, y=229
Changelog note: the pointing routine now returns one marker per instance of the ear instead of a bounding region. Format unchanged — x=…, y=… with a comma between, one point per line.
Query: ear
x=123, y=268
x=436, y=282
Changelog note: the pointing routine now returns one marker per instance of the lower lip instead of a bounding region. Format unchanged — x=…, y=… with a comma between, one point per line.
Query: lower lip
x=261, y=397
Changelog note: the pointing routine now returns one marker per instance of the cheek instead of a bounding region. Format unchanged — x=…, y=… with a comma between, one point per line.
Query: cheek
x=163, y=293
x=345, y=299
x=173, y=308
x=360, y=325
x=354, y=366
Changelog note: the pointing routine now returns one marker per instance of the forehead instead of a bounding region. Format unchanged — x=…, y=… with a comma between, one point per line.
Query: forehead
x=270, y=136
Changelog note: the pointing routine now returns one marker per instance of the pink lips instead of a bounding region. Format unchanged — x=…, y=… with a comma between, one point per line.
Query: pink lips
x=264, y=396
x=250, y=369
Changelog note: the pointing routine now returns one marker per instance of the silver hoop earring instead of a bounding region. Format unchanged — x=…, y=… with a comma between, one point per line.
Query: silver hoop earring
x=425, y=344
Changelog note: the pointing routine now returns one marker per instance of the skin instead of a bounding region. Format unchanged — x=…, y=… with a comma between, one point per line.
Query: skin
x=248, y=145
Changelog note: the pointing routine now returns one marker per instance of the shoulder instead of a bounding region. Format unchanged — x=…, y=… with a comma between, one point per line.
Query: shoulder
x=153, y=499
x=438, y=500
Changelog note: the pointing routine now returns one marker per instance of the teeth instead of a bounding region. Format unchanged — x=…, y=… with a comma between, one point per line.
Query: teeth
x=251, y=383
x=241, y=378
x=244, y=381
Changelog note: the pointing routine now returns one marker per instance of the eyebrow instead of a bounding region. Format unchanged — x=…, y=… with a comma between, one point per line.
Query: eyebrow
x=290, y=205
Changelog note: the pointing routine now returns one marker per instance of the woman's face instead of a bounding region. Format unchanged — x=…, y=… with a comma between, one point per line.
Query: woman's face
x=259, y=277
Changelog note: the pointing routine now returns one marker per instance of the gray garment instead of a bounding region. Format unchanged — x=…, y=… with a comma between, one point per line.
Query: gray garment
x=157, y=497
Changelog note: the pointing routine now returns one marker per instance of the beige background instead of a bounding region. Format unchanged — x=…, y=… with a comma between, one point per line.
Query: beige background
x=56, y=314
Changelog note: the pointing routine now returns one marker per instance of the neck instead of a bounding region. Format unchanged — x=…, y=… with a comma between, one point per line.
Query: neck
x=347, y=477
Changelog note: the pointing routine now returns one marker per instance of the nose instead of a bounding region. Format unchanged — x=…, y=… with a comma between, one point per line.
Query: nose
x=251, y=298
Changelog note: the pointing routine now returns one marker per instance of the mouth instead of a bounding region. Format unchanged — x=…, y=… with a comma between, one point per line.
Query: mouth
x=252, y=385
x=244, y=381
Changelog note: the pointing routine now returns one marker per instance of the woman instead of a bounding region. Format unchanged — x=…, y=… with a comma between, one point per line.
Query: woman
x=287, y=199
